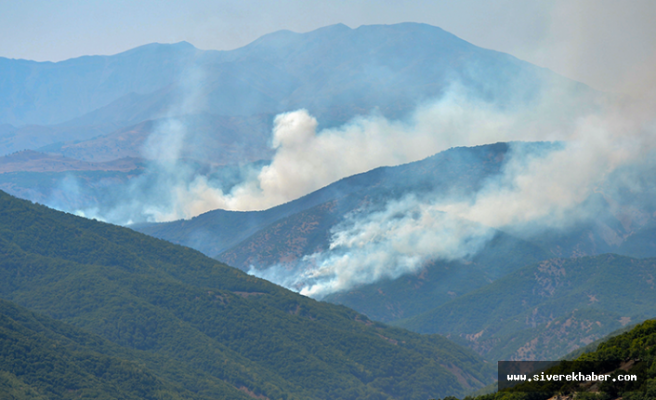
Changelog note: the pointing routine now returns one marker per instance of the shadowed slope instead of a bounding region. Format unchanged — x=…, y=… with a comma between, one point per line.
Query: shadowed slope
x=546, y=310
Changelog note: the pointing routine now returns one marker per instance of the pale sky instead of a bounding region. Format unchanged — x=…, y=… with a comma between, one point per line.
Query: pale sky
x=608, y=44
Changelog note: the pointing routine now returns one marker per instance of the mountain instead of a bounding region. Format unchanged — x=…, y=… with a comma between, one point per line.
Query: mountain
x=239, y=237
x=251, y=238
x=210, y=139
x=544, y=311
x=335, y=72
x=33, y=137
x=33, y=161
x=50, y=93
x=222, y=329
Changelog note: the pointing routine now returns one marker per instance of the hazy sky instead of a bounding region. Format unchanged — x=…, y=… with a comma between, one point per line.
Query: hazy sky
x=609, y=44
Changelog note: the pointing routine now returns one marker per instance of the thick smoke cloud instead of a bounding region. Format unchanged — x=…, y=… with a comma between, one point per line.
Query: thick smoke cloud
x=608, y=150
x=369, y=246
x=533, y=193
x=307, y=159
x=546, y=189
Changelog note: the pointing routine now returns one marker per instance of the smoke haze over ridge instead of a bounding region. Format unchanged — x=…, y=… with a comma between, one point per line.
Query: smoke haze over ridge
x=307, y=159
x=532, y=193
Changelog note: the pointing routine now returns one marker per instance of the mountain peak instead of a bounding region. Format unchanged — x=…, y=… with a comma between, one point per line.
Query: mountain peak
x=182, y=46
x=333, y=28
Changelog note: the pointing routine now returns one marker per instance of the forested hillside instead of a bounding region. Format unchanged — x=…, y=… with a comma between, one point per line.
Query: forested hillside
x=41, y=358
x=220, y=326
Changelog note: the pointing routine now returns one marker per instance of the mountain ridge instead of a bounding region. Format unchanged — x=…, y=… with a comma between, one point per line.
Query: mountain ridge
x=363, y=44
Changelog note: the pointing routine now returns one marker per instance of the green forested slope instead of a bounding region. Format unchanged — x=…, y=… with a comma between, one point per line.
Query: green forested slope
x=220, y=328
x=41, y=358
x=546, y=310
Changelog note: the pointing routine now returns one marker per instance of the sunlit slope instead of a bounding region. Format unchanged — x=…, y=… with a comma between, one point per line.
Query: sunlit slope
x=169, y=301
x=628, y=353
x=544, y=311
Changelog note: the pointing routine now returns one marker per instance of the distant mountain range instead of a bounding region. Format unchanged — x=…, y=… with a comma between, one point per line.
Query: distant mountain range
x=33, y=161
x=335, y=72
x=47, y=93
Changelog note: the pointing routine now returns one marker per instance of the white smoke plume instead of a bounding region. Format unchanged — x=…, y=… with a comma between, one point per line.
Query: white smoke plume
x=545, y=190
x=532, y=193
x=370, y=246
x=307, y=159
x=539, y=192
x=400, y=237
